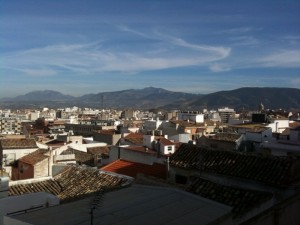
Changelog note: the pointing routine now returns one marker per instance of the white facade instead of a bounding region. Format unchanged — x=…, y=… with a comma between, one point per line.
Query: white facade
x=34, y=115
x=279, y=125
x=167, y=149
x=192, y=116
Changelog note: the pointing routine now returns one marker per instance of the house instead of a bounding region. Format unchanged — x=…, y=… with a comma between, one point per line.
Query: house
x=222, y=141
x=32, y=165
x=71, y=184
x=191, y=160
x=255, y=134
x=132, y=139
x=110, y=137
x=13, y=149
x=100, y=155
x=228, y=177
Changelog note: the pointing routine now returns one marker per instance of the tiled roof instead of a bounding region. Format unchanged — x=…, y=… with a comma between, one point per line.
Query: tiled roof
x=294, y=124
x=103, y=150
x=17, y=143
x=84, y=157
x=107, y=132
x=73, y=183
x=50, y=186
x=272, y=170
x=34, y=157
x=241, y=200
x=134, y=138
x=228, y=137
x=132, y=168
x=251, y=127
x=142, y=149
x=165, y=141
x=186, y=123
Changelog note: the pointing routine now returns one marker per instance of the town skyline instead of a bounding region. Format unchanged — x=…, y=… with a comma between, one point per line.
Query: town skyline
x=197, y=47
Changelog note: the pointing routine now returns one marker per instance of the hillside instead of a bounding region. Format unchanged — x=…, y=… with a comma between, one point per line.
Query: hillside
x=250, y=98
x=150, y=98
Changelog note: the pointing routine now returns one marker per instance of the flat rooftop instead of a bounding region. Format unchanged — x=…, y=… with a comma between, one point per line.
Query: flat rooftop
x=137, y=204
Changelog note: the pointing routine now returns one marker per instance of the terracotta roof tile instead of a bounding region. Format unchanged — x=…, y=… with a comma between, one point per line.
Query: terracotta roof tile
x=272, y=170
x=15, y=143
x=241, y=200
x=228, y=137
x=132, y=168
x=73, y=183
x=103, y=150
x=134, y=138
x=142, y=149
x=165, y=141
x=34, y=157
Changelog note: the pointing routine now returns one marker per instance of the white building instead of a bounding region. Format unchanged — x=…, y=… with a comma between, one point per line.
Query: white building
x=191, y=116
x=225, y=113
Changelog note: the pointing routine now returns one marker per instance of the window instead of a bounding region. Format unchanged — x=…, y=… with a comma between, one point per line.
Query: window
x=169, y=148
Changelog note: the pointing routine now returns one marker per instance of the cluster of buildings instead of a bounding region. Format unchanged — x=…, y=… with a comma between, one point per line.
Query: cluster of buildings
x=210, y=167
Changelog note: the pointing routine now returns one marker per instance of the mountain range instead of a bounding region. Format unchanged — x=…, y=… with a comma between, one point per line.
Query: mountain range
x=151, y=97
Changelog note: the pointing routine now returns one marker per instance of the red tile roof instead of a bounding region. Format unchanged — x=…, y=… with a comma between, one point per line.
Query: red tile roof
x=132, y=168
x=165, y=141
x=34, y=157
x=134, y=138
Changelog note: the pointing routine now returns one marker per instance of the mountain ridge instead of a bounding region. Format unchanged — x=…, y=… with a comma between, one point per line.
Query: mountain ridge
x=151, y=97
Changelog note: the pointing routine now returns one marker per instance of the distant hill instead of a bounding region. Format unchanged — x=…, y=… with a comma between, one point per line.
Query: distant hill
x=151, y=98
x=46, y=95
x=250, y=98
x=136, y=98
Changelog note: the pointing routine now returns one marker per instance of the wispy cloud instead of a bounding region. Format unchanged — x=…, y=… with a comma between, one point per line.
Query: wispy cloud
x=244, y=40
x=241, y=30
x=90, y=58
x=284, y=58
x=217, y=67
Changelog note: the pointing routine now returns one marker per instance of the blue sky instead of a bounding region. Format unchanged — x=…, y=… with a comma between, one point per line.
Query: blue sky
x=90, y=46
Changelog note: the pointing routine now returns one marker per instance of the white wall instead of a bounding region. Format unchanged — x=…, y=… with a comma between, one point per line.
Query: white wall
x=279, y=125
x=196, y=117
x=164, y=149
x=28, y=202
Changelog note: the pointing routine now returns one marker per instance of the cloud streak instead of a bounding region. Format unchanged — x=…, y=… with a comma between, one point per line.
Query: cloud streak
x=91, y=58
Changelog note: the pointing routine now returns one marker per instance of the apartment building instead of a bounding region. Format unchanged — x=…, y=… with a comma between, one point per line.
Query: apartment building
x=10, y=125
